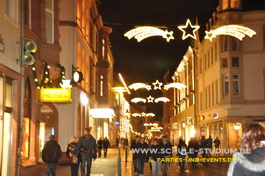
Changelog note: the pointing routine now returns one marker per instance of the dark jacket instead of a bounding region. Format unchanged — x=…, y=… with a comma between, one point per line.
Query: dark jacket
x=252, y=164
x=155, y=152
x=100, y=144
x=106, y=143
x=193, y=146
x=51, y=152
x=87, y=146
x=182, y=150
x=166, y=149
x=70, y=148
x=144, y=150
x=134, y=146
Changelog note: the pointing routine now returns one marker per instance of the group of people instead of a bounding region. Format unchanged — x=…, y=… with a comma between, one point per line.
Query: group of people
x=79, y=151
x=156, y=151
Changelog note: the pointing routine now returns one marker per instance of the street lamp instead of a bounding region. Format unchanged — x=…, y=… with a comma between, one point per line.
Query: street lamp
x=119, y=90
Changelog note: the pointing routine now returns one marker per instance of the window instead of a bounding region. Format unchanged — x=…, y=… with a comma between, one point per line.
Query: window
x=49, y=21
x=101, y=86
x=234, y=4
x=235, y=85
x=91, y=74
x=103, y=48
x=234, y=44
x=225, y=44
x=226, y=84
x=12, y=10
x=224, y=62
x=235, y=62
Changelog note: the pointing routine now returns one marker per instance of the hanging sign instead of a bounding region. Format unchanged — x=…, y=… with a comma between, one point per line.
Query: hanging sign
x=55, y=95
x=30, y=49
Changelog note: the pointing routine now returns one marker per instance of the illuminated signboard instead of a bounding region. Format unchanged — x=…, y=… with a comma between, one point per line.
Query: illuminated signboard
x=56, y=95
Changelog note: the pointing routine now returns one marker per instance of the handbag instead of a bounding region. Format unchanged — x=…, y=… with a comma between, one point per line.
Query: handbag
x=74, y=159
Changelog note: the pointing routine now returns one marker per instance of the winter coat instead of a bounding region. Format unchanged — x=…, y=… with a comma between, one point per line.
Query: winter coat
x=70, y=148
x=252, y=164
x=100, y=144
x=144, y=150
x=154, y=152
x=193, y=147
x=210, y=142
x=182, y=150
x=106, y=143
x=135, y=147
x=166, y=149
x=51, y=152
x=217, y=143
x=87, y=146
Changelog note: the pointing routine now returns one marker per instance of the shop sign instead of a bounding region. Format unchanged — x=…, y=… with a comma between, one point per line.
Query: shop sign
x=215, y=115
x=56, y=95
x=189, y=121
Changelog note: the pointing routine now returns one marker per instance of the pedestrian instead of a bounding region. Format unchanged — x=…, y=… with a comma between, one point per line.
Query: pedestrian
x=210, y=144
x=252, y=162
x=75, y=159
x=134, y=147
x=117, y=142
x=100, y=146
x=217, y=143
x=155, y=156
x=142, y=156
x=203, y=147
x=88, y=148
x=106, y=145
x=167, y=153
x=50, y=155
x=193, y=149
x=182, y=152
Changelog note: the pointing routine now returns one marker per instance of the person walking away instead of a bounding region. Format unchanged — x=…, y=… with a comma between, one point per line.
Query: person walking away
x=106, y=145
x=193, y=149
x=134, y=148
x=217, y=143
x=182, y=152
x=252, y=161
x=88, y=148
x=167, y=153
x=203, y=147
x=117, y=142
x=75, y=159
x=142, y=156
x=154, y=156
x=100, y=146
x=210, y=145
x=50, y=155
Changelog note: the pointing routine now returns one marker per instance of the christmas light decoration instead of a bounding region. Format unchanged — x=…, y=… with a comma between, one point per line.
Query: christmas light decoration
x=66, y=84
x=136, y=86
x=175, y=85
x=136, y=115
x=137, y=100
x=124, y=83
x=237, y=31
x=28, y=58
x=163, y=99
x=188, y=25
x=141, y=33
x=150, y=99
x=157, y=85
x=150, y=115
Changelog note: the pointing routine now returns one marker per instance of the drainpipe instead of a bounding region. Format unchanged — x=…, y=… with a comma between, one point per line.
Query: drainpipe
x=21, y=88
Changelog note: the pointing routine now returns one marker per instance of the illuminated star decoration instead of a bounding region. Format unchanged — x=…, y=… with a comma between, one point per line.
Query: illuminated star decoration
x=175, y=85
x=136, y=115
x=150, y=115
x=141, y=33
x=136, y=86
x=150, y=99
x=189, y=25
x=137, y=100
x=236, y=31
x=157, y=85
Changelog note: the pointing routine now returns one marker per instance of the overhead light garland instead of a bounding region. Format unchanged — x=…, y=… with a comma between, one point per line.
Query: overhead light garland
x=189, y=25
x=237, y=31
x=163, y=99
x=136, y=86
x=175, y=85
x=150, y=99
x=157, y=85
x=141, y=33
x=137, y=100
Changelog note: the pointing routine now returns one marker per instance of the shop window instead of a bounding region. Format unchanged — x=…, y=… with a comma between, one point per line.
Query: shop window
x=49, y=21
x=224, y=62
x=226, y=84
x=235, y=85
x=235, y=62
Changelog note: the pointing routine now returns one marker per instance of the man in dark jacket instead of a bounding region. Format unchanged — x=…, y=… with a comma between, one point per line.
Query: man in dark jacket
x=100, y=146
x=193, y=149
x=106, y=145
x=134, y=147
x=167, y=153
x=50, y=155
x=88, y=148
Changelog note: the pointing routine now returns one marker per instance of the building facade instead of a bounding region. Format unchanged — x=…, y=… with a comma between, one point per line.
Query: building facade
x=11, y=76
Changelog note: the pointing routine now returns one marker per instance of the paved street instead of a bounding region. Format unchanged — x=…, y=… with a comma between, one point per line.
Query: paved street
x=108, y=167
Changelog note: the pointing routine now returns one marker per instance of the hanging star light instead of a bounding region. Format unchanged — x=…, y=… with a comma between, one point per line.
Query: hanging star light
x=137, y=100
x=237, y=31
x=136, y=115
x=175, y=85
x=189, y=25
x=141, y=33
x=157, y=85
x=150, y=115
x=150, y=99
x=136, y=86
x=163, y=99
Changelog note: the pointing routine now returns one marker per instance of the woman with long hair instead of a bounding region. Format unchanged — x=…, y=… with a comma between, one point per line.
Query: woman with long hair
x=252, y=163
x=75, y=159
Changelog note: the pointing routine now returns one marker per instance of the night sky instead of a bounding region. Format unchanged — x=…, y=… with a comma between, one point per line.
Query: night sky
x=151, y=58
